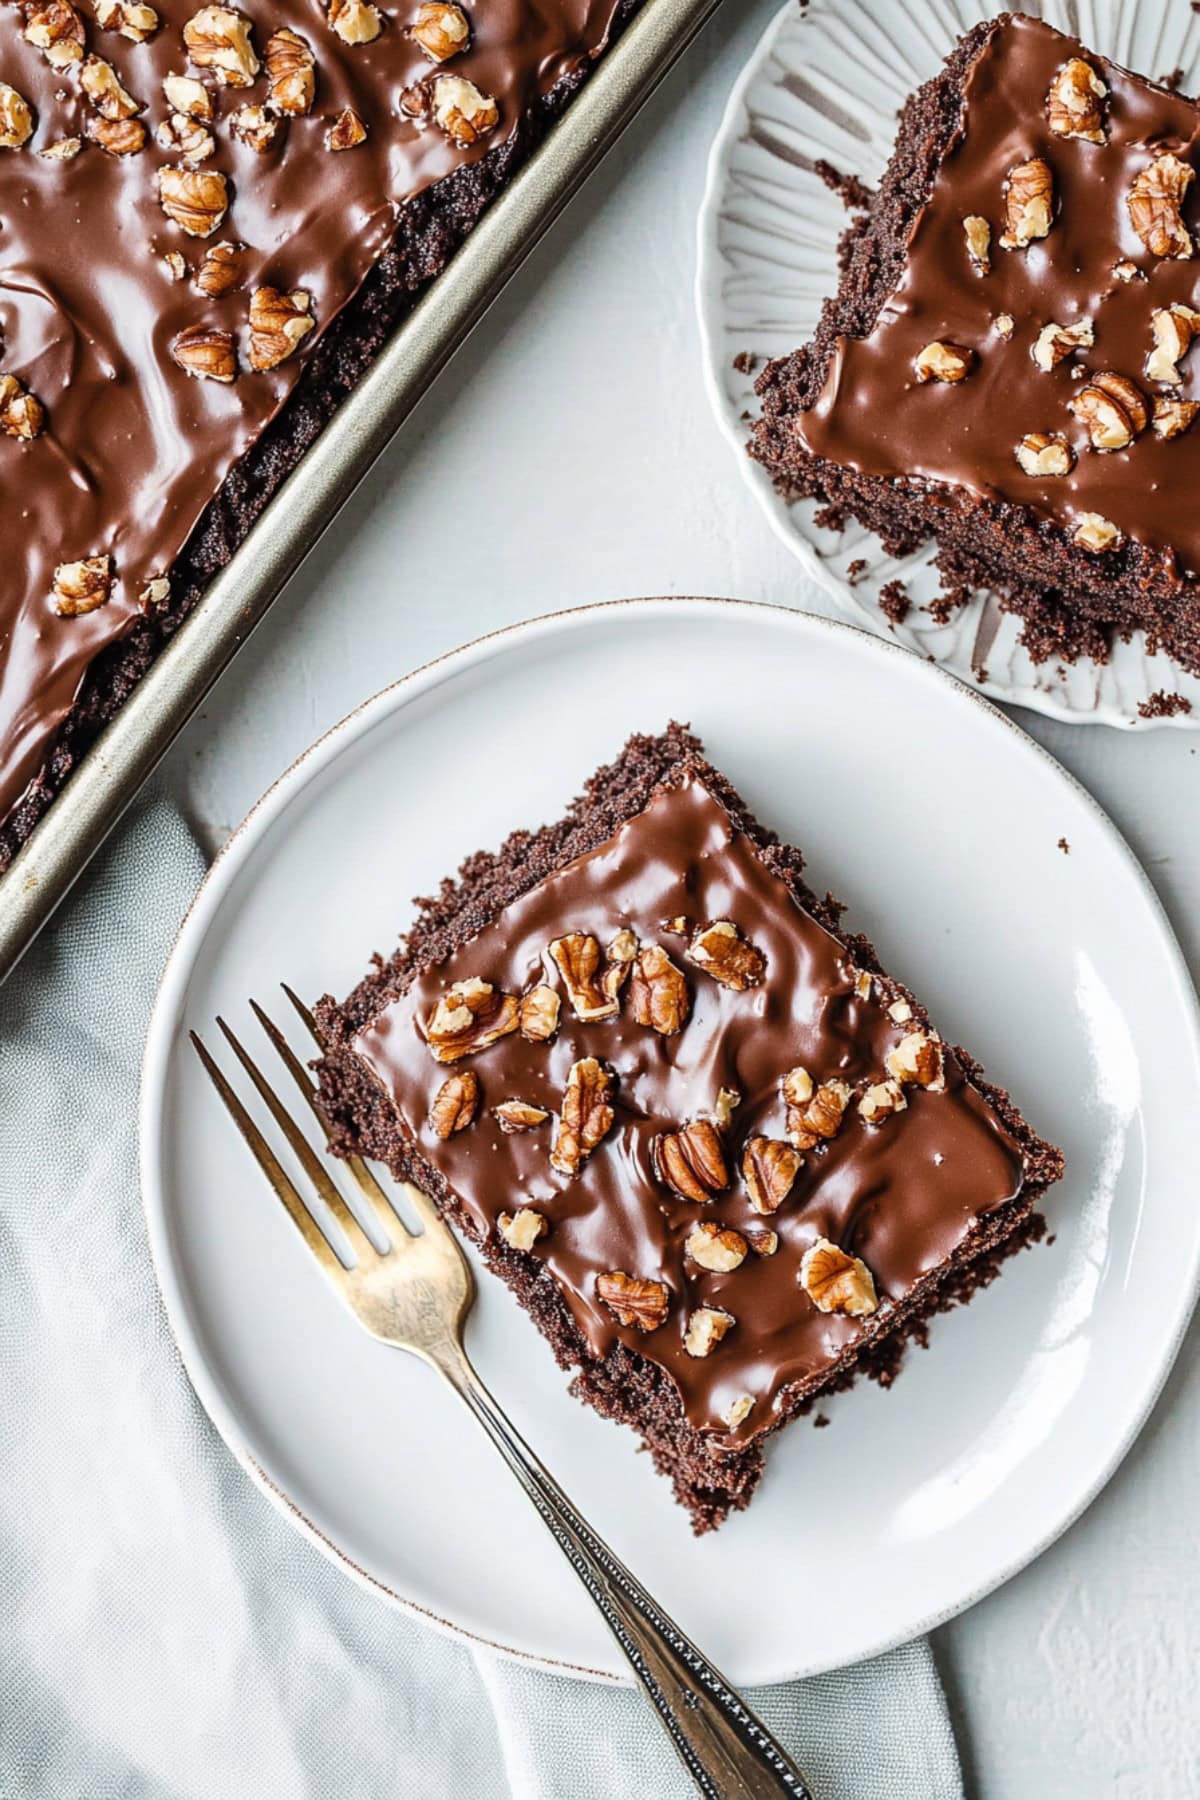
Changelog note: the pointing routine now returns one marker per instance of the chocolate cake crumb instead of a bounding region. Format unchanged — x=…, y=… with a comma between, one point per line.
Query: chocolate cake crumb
x=854, y=194
x=745, y=362
x=1172, y=82
x=894, y=602
x=856, y=570
x=821, y=1421
x=1064, y=846
x=1163, y=705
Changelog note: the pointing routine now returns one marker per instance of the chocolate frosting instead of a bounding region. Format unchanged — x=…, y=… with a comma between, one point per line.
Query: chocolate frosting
x=903, y=1194
x=872, y=414
x=134, y=448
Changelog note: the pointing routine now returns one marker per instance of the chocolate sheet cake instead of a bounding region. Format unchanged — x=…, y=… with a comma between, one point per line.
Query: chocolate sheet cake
x=721, y=1157
x=210, y=220
x=1007, y=367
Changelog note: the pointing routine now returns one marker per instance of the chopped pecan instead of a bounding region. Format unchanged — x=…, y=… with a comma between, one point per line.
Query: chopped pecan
x=131, y=18
x=182, y=136
x=441, y=30
x=80, y=587
x=1107, y=418
x=186, y=95
x=291, y=73
x=156, y=592
x=278, y=323
x=978, y=234
x=835, y=1281
x=728, y=1099
x=455, y=1103
x=618, y=960
x=587, y=1115
x=1004, y=325
x=514, y=1116
x=523, y=1229
x=722, y=952
x=56, y=29
x=62, y=150
x=1173, y=417
x=1127, y=395
x=577, y=958
x=942, y=362
x=1039, y=454
x=762, y=1242
x=917, y=1058
x=1174, y=327
x=1094, y=532
x=1155, y=203
x=881, y=1100
x=120, y=137
x=21, y=413
x=539, y=1013
x=355, y=21
x=705, y=1329
x=175, y=264
x=769, y=1169
x=206, y=353
x=99, y=82
x=1054, y=343
x=346, y=132
x=1075, y=102
x=255, y=127
x=738, y=1411
x=1028, y=203
x=658, y=991
x=468, y=1018
x=716, y=1247
x=221, y=270
x=900, y=1011
x=463, y=113
x=692, y=1160
x=639, y=1304
x=808, y=1124
x=197, y=199
x=218, y=38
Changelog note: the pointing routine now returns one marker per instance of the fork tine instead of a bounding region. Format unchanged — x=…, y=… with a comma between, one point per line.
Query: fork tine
x=310, y=1162
x=299, y=1214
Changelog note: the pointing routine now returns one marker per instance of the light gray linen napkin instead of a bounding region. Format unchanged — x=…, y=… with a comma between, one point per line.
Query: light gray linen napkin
x=163, y=1632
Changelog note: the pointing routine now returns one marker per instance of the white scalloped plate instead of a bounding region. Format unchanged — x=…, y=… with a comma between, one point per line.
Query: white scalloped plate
x=828, y=82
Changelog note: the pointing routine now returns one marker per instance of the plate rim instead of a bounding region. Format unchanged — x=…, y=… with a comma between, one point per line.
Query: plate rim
x=756, y=479
x=205, y=904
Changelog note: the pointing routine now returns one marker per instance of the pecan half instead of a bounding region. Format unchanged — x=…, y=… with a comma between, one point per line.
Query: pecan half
x=943, y=362
x=642, y=1305
x=514, y=1116
x=278, y=323
x=463, y=112
x=455, y=1103
x=523, y=1229
x=205, y=352
x=468, y=1018
x=1155, y=203
x=196, y=199
x=218, y=38
x=1028, y=203
x=722, y=952
x=835, y=1281
x=577, y=957
x=658, y=991
x=130, y=18
x=917, y=1059
x=56, y=29
x=21, y=413
x=539, y=1013
x=221, y=270
x=441, y=30
x=587, y=1115
x=769, y=1169
x=1075, y=102
x=291, y=73
x=346, y=132
x=705, y=1329
x=692, y=1161
x=716, y=1247
x=80, y=587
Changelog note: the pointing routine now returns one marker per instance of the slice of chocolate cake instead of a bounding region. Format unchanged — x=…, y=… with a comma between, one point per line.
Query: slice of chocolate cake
x=722, y=1159
x=1005, y=367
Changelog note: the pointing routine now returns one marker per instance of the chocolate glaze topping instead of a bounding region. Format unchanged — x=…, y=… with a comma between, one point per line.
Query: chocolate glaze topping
x=874, y=416
x=133, y=447
x=902, y=1194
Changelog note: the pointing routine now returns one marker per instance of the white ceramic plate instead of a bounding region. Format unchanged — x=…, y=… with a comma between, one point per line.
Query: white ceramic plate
x=938, y=822
x=828, y=82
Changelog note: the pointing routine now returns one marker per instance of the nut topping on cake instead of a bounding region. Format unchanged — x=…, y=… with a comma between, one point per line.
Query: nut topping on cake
x=618, y=961
x=1042, y=455
x=346, y=132
x=808, y=1125
x=355, y=21
x=739, y=1411
x=21, y=413
x=1054, y=343
x=942, y=362
x=99, y=82
x=1004, y=325
x=218, y=38
x=278, y=323
x=1174, y=327
x=587, y=1115
x=455, y=1103
x=186, y=95
x=763, y=1243
x=881, y=1100
x=539, y=1014
x=917, y=1059
x=196, y=199
x=206, y=353
x=463, y=113
x=291, y=73
x=1074, y=102
x=1155, y=203
x=1109, y=423
x=120, y=137
x=658, y=992
x=523, y=1229
x=80, y=587
x=514, y=1116
x=692, y=1161
x=156, y=592
x=705, y=1329
x=469, y=1016
x=1173, y=417
x=837, y=1282
x=1028, y=204
x=221, y=270
x=577, y=958
x=63, y=150
x=978, y=234
x=56, y=29
x=185, y=137
x=769, y=1169
x=643, y=1305
x=441, y=30
x=1094, y=532
x=716, y=1247
x=255, y=127
x=722, y=952
x=128, y=17
x=724, y=1107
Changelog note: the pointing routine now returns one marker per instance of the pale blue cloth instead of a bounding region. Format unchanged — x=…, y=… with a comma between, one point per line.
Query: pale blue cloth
x=163, y=1632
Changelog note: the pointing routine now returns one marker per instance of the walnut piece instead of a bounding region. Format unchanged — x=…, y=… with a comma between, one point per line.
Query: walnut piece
x=221, y=270
x=762, y=1242
x=1054, y=343
x=1095, y=532
x=120, y=137
x=881, y=1100
x=441, y=30
x=1127, y=271
x=63, y=150
x=577, y=957
x=175, y=264
x=587, y=1115
x=513, y=1116
x=206, y=353
x=1173, y=417
x=917, y=1059
x=1113, y=410
x=21, y=413
x=942, y=362
x=156, y=592
x=769, y=1169
x=1042, y=455
x=523, y=1228
x=618, y=961
x=278, y=323
x=643, y=1305
x=255, y=127
x=1155, y=203
x=80, y=587
x=99, y=82
x=692, y=1161
x=722, y=952
x=56, y=29
x=346, y=132
x=291, y=73
x=1028, y=204
x=469, y=1017
x=738, y=1411
x=716, y=1247
x=184, y=94
x=1173, y=327
x=196, y=199
x=355, y=21
x=705, y=1329
x=1074, y=102
x=130, y=18
x=188, y=138
x=658, y=992
x=1004, y=325
x=539, y=1014
x=978, y=234
x=218, y=38
x=463, y=113
x=808, y=1125
x=455, y=1103
x=835, y=1281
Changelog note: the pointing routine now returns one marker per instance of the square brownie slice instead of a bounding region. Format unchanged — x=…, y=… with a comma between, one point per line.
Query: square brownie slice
x=1005, y=365
x=722, y=1159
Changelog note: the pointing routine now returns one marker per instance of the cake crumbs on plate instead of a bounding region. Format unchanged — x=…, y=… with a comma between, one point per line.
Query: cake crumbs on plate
x=1163, y=705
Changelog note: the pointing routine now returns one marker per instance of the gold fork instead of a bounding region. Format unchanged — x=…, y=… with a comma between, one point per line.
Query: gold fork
x=415, y=1295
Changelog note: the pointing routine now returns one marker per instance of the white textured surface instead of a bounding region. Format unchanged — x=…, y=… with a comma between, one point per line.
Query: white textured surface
x=575, y=430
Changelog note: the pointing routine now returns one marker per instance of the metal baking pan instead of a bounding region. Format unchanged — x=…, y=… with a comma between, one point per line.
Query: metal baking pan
x=112, y=772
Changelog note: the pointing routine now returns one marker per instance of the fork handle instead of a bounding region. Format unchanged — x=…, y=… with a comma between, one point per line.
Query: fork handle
x=726, y=1749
